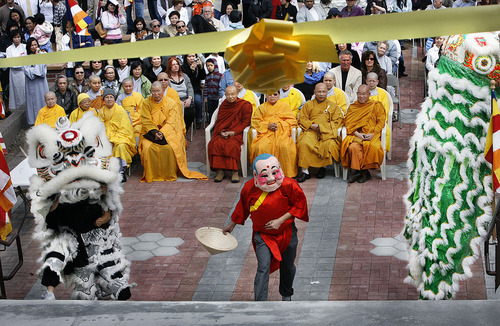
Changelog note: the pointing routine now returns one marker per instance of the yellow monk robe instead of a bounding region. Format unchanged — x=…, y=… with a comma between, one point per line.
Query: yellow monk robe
x=78, y=114
x=278, y=143
x=294, y=101
x=97, y=103
x=172, y=93
x=133, y=104
x=249, y=96
x=162, y=161
x=49, y=116
x=119, y=131
x=368, y=118
x=319, y=149
x=336, y=95
x=384, y=99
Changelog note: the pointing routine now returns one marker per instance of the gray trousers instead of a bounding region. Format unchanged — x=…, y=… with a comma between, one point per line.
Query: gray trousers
x=287, y=267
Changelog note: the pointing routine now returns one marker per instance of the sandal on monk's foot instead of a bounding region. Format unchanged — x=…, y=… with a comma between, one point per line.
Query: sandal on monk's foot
x=235, y=177
x=354, y=175
x=220, y=176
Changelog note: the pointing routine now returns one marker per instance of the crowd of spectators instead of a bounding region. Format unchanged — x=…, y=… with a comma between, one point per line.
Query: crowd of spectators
x=199, y=79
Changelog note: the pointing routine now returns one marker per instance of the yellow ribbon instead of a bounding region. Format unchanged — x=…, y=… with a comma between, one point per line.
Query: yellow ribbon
x=346, y=30
x=269, y=56
x=259, y=201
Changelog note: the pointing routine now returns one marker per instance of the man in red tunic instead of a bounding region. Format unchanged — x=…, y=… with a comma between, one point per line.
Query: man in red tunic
x=272, y=201
x=224, y=148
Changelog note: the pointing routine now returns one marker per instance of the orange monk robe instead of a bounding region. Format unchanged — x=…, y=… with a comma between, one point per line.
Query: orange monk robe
x=366, y=118
x=49, y=116
x=224, y=154
x=336, y=95
x=172, y=93
x=294, y=100
x=78, y=114
x=119, y=131
x=278, y=143
x=133, y=103
x=161, y=162
x=97, y=103
x=319, y=149
x=382, y=97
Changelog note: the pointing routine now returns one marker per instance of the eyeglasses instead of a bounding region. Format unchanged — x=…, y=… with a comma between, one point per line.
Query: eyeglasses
x=370, y=59
x=78, y=72
x=156, y=26
x=180, y=26
x=162, y=80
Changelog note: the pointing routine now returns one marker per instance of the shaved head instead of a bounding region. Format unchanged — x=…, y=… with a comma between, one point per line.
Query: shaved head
x=363, y=94
x=231, y=94
x=320, y=92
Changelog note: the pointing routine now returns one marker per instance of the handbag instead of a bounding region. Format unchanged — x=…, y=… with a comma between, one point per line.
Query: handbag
x=100, y=30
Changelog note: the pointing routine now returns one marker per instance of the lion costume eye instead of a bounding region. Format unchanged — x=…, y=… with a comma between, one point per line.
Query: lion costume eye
x=484, y=64
x=40, y=150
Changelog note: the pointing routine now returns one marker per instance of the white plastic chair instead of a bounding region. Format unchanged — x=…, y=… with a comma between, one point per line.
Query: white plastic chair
x=394, y=82
x=244, y=147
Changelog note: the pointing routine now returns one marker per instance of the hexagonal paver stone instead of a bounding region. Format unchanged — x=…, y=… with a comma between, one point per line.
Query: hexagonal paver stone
x=402, y=255
x=150, y=237
x=384, y=242
x=126, y=250
x=170, y=242
x=400, y=246
x=145, y=246
x=384, y=251
x=165, y=251
x=128, y=241
x=140, y=255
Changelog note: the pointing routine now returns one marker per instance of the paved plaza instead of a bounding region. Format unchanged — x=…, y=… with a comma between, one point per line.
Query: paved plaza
x=350, y=250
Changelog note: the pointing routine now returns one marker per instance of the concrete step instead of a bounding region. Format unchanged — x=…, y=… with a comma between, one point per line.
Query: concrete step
x=442, y=313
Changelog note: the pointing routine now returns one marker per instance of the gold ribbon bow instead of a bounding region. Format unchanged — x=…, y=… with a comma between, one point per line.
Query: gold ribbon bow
x=269, y=56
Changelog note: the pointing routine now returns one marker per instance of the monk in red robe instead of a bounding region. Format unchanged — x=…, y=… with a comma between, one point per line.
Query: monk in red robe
x=224, y=148
x=272, y=201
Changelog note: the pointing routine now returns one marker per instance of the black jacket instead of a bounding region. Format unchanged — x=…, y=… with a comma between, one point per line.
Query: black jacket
x=261, y=9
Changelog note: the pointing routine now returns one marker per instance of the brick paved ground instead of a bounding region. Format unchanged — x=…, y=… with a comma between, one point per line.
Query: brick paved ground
x=353, y=216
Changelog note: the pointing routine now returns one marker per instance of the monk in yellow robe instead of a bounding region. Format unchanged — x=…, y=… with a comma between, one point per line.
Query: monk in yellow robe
x=335, y=94
x=118, y=128
x=362, y=149
x=274, y=121
x=51, y=112
x=172, y=93
x=132, y=102
x=292, y=97
x=319, y=143
x=83, y=101
x=246, y=95
x=381, y=95
x=162, y=143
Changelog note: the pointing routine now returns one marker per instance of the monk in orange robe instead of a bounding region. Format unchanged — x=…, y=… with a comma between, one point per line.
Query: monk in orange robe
x=273, y=122
x=224, y=148
x=162, y=144
x=319, y=143
x=362, y=149
x=172, y=93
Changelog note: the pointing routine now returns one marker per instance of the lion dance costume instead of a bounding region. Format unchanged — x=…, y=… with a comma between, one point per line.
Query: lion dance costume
x=450, y=192
x=75, y=169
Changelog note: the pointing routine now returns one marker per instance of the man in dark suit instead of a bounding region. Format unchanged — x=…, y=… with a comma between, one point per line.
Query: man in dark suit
x=155, y=28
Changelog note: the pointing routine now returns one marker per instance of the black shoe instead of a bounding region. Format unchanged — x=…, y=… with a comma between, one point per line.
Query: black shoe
x=303, y=177
x=198, y=125
x=321, y=173
x=355, y=175
x=365, y=177
x=404, y=74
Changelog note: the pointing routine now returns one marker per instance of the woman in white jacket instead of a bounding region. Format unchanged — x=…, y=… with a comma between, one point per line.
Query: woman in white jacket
x=111, y=20
x=433, y=54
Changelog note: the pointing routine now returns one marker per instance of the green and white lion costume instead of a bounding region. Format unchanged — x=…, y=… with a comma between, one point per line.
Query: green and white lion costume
x=450, y=189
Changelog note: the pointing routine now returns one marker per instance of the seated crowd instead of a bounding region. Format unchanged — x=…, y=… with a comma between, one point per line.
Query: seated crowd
x=148, y=104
